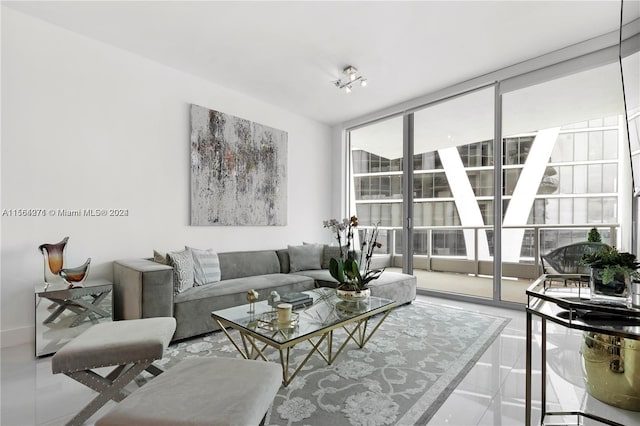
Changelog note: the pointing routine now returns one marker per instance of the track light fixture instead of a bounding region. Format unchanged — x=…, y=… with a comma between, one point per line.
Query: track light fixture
x=351, y=76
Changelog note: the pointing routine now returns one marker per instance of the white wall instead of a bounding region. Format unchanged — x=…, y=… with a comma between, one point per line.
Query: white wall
x=88, y=126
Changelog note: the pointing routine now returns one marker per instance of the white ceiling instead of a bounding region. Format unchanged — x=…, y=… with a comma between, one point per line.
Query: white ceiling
x=288, y=53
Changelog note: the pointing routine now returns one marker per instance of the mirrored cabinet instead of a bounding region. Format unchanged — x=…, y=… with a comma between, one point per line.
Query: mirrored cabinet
x=62, y=313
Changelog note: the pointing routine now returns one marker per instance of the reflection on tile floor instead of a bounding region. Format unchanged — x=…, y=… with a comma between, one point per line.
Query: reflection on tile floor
x=493, y=392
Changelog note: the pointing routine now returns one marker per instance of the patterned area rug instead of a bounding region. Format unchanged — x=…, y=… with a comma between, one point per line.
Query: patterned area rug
x=403, y=374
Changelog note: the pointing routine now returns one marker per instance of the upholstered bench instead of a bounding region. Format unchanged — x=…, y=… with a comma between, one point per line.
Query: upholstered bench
x=202, y=392
x=132, y=346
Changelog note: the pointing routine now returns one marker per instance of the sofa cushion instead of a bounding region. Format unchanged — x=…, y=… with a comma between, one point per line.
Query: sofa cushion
x=321, y=276
x=240, y=264
x=329, y=252
x=182, y=262
x=333, y=252
x=263, y=284
x=206, y=266
x=283, y=257
x=192, y=308
x=305, y=257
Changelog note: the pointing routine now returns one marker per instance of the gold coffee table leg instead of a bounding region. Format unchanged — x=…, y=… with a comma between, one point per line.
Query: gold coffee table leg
x=284, y=361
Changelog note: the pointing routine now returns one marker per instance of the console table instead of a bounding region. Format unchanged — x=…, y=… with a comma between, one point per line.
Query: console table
x=62, y=313
x=567, y=306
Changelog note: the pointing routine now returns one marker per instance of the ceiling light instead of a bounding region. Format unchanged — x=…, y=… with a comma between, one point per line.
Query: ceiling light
x=351, y=75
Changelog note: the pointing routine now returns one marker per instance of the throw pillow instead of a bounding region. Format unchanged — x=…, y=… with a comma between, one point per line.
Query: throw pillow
x=182, y=262
x=206, y=266
x=160, y=257
x=305, y=257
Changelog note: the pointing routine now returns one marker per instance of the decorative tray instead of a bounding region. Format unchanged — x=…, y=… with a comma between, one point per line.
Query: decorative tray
x=269, y=321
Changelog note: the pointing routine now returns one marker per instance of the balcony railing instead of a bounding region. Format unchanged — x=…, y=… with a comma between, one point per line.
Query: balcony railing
x=446, y=248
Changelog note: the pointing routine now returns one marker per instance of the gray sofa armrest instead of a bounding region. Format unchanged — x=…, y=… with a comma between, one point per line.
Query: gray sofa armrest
x=142, y=288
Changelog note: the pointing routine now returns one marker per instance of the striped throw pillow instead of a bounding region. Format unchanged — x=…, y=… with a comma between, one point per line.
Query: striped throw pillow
x=206, y=266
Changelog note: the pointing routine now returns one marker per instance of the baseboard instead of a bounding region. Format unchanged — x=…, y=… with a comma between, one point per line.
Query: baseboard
x=17, y=336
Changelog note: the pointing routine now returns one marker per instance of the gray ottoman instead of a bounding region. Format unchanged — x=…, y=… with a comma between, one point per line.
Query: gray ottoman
x=395, y=286
x=130, y=346
x=202, y=392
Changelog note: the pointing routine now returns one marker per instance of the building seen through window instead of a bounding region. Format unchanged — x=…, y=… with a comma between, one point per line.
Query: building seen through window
x=578, y=186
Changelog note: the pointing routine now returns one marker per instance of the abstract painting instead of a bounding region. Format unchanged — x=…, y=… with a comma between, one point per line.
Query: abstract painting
x=238, y=171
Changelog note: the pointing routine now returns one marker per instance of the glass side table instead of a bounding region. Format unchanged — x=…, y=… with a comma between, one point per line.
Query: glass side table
x=572, y=308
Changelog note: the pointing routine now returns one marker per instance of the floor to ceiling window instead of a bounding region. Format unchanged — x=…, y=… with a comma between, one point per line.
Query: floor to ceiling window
x=565, y=179
x=630, y=67
x=505, y=169
x=376, y=181
x=453, y=192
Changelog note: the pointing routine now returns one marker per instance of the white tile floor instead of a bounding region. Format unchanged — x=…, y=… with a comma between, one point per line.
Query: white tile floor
x=493, y=392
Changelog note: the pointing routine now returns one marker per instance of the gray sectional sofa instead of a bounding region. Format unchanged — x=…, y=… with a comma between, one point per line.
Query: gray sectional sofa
x=144, y=288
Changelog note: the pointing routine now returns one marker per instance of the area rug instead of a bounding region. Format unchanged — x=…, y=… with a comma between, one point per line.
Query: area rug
x=401, y=377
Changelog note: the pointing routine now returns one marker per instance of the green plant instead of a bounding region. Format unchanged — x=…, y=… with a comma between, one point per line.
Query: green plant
x=612, y=262
x=347, y=269
x=594, y=236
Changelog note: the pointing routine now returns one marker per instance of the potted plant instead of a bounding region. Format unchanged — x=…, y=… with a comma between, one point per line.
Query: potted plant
x=594, y=236
x=609, y=362
x=611, y=271
x=352, y=270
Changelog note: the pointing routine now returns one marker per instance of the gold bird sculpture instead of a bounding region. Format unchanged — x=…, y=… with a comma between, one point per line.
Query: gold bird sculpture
x=252, y=296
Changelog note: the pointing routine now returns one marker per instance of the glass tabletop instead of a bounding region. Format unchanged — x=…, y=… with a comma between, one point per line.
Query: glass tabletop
x=572, y=307
x=62, y=287
x=327, y=311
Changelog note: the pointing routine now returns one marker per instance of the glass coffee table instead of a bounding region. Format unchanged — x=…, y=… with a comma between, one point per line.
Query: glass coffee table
x=259, y=327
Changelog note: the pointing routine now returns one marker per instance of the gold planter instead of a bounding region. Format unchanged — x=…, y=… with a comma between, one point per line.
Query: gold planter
x=611, y=368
